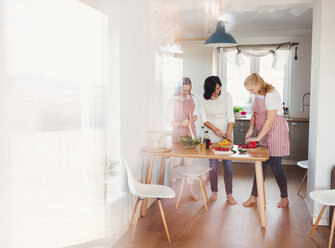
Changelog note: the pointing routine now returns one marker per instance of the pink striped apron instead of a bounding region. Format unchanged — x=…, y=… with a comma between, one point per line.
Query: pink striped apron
x=181, y=111
x=277, y=139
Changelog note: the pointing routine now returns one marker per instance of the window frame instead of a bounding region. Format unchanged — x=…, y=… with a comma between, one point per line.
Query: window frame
x=255, y=67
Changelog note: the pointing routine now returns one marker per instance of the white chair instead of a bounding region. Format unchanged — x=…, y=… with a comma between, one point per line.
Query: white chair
x=142, y=191
x=303, y=164
x=326, y=198
x=193, y=171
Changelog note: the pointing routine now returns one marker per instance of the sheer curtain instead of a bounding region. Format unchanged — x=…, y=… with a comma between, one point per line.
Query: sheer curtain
x=55, y=83
x=279, y=52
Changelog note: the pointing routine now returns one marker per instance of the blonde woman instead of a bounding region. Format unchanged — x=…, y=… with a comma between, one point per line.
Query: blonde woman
x=180, y=115
x=271, y=130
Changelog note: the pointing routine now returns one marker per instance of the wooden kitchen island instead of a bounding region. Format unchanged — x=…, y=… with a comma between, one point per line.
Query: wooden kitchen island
x=179, y=151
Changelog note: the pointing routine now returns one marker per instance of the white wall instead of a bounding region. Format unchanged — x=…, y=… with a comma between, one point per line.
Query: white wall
x=5, y=170
x=197, y=65
x=321, y=158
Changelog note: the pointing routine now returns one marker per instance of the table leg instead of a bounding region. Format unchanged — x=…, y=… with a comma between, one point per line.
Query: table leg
x=147, y=181
x=260, y=192
x=161, y=176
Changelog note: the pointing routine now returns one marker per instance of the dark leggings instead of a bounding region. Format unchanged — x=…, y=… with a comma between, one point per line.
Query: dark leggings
x=228, y=175
x=277, y=169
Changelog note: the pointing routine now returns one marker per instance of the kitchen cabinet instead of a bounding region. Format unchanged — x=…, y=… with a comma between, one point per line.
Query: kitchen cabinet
x=240, y=130
x=298, y=140
x=298, y=131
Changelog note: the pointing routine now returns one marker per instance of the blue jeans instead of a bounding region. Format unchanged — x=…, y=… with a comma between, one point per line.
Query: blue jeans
x=228, y=175
x=279, y=173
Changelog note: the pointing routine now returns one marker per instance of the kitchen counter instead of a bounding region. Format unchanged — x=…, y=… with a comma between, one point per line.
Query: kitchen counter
x=298, y=131
x=297, y=119
x=248, y=117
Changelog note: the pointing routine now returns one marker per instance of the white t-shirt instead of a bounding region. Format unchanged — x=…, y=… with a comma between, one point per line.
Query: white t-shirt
x=273, y=101
x=219, y=112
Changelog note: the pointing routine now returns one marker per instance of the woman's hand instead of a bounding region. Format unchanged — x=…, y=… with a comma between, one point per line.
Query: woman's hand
x=219, y=132
x=194, y=117
x=185, y=123
x=249, y=133
x=228, y=136
x=248, y=140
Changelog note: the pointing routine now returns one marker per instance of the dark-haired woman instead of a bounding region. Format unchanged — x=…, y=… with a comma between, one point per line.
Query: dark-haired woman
x=217, y=114
x=271, y=131
x=180, y=114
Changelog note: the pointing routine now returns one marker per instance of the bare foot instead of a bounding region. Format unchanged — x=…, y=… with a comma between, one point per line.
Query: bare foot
x=252, y=200
x=283, y=203
x=214, y=196
x=194, y=197
x=231, y=199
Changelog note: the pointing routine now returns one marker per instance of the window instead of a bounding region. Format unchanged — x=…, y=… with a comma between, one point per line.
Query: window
x=235, y=76
x=56, y=61
x=235, y=81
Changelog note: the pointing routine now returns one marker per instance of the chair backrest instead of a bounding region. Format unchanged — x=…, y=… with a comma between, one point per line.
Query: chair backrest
x=132, y=183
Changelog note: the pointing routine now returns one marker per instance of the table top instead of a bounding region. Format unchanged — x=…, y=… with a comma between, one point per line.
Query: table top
x=179, y=151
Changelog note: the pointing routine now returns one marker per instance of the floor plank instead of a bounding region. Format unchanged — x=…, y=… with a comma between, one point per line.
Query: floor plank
x=232, y=226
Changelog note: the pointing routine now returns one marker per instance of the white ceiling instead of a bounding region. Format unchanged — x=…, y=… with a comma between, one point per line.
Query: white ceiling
x=194, y=23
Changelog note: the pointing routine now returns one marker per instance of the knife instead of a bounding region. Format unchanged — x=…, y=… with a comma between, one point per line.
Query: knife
x=224, y=137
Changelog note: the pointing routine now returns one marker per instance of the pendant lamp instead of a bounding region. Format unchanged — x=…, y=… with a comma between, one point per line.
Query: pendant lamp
x=220, y=38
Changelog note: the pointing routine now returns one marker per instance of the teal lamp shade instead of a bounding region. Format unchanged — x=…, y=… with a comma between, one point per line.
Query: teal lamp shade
x=220, y=38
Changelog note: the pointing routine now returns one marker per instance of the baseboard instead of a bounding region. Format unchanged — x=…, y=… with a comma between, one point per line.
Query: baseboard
x=323, y=221
x=289, y=162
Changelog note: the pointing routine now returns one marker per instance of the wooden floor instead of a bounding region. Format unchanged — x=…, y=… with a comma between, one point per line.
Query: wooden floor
x=232, y=226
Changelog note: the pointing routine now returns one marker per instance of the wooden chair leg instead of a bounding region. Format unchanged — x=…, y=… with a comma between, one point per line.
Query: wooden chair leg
x=204, y=187
x=264, y=196
x=181, y=190
x=134, y=211
x=302, y=182
x=318, y=219
x=203, y=194
x=163, y=220
x=332, y=231
x=136, y=219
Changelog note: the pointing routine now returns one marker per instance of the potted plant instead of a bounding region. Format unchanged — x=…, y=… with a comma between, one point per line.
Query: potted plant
x=111, y=167
x=111, y=170
x=237, y=111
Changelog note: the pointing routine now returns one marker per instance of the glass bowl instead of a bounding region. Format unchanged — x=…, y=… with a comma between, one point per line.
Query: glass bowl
x=187, y=141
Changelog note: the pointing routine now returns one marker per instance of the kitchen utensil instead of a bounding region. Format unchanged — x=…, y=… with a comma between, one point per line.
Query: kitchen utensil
x=192, y=135
x=189, y=126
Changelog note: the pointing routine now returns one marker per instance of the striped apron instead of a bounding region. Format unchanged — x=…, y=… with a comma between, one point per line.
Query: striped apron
x=181, y=111
x=277, y=139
